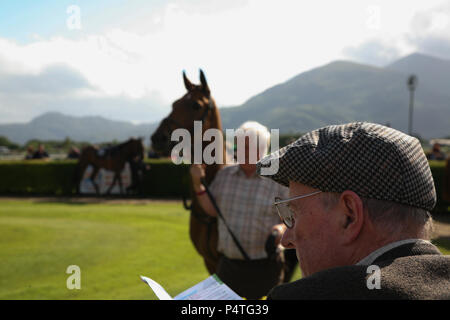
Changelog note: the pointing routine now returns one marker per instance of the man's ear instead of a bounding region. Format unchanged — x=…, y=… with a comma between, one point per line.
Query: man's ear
x=351, y=218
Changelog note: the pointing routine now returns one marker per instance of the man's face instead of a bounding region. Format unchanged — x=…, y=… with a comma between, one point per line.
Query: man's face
x=314, y=234
x=253, y=150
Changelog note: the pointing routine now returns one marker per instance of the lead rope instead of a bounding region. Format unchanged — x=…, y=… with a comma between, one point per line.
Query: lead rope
x=219, y=213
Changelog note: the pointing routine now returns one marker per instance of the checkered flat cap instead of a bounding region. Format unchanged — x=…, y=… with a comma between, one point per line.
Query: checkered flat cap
x=372, y=160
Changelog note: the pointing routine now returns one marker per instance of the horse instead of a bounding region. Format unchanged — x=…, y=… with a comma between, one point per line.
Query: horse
x=138, y=170
x=196, y=105
x=113, y=159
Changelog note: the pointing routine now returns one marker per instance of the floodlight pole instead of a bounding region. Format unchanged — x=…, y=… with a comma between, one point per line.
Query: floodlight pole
x=412, y=84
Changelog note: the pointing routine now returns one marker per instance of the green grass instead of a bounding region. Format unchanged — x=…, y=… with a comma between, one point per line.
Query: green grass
x=112, y=244
x=443, y=244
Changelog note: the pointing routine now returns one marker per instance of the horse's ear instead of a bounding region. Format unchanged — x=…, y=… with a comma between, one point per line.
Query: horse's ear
x=189, y=86
x=205, y=87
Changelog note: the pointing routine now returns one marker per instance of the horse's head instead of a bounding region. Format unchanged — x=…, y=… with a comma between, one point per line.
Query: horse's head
x=196, y=105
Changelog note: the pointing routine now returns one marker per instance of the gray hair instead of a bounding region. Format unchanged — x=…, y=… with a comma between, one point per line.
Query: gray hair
x=391, y=217
x=263, y=134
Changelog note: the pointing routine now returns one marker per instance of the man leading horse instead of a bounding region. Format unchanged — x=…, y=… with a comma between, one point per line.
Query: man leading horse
x=238, y=195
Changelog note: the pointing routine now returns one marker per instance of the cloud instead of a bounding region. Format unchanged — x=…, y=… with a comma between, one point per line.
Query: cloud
x=25, y=107
x=130, y=68
x=209, y=6
x=427, y=31
x=233, y=42
x=430, y=31
x=55, y=80
x=373, y=52
x=58, y=87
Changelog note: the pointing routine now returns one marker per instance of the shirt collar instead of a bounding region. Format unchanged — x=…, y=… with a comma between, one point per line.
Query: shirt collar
x=237, y=170
x=377, y=253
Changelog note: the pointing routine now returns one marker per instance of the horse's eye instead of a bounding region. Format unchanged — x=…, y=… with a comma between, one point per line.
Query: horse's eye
x=196, y=105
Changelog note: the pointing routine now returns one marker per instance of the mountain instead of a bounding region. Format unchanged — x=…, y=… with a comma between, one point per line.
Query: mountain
x=344, y=91
x=432, y=72
x=339, y=92
x=57, y=126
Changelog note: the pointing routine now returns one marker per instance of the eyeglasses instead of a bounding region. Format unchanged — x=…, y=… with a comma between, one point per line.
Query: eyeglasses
x=285, y=212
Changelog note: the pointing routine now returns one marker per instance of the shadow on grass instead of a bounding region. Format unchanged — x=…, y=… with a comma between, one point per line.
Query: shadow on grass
x=86, y=200
x=75, y=200
x=75, y=203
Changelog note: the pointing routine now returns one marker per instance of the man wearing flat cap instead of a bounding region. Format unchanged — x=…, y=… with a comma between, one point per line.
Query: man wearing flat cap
x=358, y=215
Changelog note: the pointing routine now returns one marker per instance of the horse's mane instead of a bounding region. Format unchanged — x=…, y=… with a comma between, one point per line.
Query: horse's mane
x=126, y=142
x=120, y=145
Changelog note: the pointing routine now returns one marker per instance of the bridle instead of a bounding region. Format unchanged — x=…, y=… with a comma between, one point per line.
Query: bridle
x=208, y=220
x=208, y=108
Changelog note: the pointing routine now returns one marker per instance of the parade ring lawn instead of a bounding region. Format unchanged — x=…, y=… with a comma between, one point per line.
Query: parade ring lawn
x=111, y=243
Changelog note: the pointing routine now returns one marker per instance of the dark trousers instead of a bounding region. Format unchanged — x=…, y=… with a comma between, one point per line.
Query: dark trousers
x=251, y=279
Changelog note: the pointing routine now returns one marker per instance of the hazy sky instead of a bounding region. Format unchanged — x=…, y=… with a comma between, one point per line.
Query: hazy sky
x=124, y=59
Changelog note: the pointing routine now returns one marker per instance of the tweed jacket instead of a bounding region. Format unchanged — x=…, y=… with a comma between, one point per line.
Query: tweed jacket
x=409, y=271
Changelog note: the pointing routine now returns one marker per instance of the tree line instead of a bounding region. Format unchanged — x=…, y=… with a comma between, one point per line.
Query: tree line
x=53, y=146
